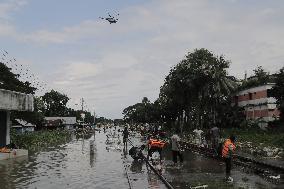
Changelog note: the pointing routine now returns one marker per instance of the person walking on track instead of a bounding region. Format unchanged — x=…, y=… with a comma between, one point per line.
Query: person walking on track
x=227, y=153
x=125, y=134
x=176, y=149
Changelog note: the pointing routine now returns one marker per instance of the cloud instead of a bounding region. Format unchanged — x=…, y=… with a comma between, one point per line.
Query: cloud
x=9, y=6
x=70, y=34
x=6, y=29
x=113, y=66
x=6, y=8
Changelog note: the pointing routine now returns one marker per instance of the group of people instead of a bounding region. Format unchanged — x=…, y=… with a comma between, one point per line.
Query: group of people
x=155, y=144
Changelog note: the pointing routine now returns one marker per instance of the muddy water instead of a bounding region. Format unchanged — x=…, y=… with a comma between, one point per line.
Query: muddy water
x=200, y=171
x=197, y=171
x=73, y=166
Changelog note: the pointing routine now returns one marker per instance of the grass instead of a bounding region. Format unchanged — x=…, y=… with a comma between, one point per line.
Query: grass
x=39, y=139
x=256, y=136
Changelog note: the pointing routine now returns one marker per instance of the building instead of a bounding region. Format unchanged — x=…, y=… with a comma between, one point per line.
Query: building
x=10, y=100
x=258, y=103
x=66, y=122
x=21, y=126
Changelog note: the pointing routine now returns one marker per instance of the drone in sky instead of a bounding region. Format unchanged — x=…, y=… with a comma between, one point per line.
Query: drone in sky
x=110, y=19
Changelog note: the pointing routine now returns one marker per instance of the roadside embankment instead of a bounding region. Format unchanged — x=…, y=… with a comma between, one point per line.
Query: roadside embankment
x=258, y=142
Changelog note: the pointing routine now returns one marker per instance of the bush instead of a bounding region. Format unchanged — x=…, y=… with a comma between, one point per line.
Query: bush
x=39, y=139
x=256, y=135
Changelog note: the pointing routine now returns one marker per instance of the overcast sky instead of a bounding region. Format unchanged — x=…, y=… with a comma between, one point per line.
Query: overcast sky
x=112, y=66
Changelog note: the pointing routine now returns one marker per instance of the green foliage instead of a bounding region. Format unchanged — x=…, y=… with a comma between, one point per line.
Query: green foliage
x=39, y=139
x=195, y=88
x=144, y=112
x=278, y=92
x=55, y=103
x=103, y=120
x=260, y=77
x=196, y=92
x=10, y=81
x=256, y=136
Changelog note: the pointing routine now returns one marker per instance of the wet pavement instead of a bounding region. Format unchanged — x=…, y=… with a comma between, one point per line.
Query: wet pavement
x=73, y=165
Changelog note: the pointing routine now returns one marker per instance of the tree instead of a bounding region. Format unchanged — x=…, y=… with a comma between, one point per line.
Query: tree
x=195, y=88
x=260, y=77
x=278, y=92
x=144, y=112
x=55, y=103
x=10, y=81
x=103, y=120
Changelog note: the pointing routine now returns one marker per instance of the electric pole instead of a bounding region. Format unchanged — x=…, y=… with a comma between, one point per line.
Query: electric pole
x=82, y=104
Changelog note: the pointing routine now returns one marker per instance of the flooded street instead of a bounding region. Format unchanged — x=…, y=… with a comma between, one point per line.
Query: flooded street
x=72, y=165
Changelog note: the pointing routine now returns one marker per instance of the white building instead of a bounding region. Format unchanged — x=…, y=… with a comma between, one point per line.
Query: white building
x=257, y=103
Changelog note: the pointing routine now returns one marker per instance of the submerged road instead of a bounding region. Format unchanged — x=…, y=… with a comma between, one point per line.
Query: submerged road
x=73, y=165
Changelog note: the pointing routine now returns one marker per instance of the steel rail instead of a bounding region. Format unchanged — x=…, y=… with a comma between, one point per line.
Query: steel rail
x=241, y=158
x=161, y=177
x=127, y=176
x=254, y=165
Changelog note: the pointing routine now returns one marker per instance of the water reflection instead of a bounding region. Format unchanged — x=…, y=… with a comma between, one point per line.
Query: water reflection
x=65, y=166
x=125, y=153
x=92, y=150
x=88, y=162
x=136, y=166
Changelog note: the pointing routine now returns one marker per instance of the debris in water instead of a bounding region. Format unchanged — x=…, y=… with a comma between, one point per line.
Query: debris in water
x=198, y=187
x=275, y=177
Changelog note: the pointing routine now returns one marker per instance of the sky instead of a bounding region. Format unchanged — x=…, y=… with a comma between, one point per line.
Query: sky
x=68, y=48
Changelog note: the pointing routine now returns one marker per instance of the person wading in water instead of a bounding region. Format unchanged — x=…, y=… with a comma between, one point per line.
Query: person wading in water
x=227, y=153
x=125, y=134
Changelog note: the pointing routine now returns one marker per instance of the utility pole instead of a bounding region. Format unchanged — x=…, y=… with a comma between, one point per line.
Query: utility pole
x=82, y=114
x=94, y=117
x=82, y=104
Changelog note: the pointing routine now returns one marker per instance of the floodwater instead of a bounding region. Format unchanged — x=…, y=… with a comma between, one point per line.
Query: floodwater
x=73, y=165
x=198, y=171
x=93, y=163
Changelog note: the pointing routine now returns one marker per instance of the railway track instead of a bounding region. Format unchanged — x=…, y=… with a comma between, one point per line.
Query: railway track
x=160, y=176
x=270, y=172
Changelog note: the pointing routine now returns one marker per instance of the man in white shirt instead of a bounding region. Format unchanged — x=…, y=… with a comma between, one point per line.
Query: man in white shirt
x=176, y=151
x=198, y=136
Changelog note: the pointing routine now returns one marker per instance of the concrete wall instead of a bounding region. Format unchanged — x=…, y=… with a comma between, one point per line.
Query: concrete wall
x=10, y=100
